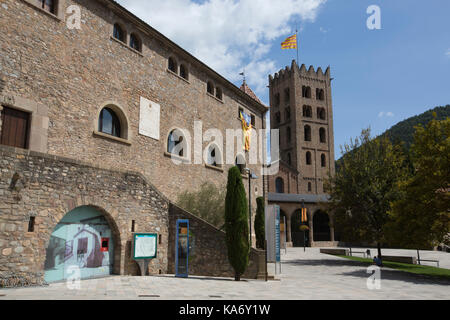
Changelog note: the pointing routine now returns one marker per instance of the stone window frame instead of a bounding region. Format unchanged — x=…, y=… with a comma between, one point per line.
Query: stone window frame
x=215, y=90
x=59, y=12
x=138, y=38
x=322, y=135
x=127, y=34
x=177, y=71
x=125, y=132
x=187, y=146
x=219, y=165
x=323, y=160
x=39, y=120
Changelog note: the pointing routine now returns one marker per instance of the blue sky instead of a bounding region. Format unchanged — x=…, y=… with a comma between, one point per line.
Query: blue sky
x=381, y=76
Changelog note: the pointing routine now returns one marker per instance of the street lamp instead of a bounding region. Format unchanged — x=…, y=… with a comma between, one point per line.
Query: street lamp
x=251, y=176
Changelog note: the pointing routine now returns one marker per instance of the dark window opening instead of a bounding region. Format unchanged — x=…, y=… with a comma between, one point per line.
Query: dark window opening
x=183, y=72
x=109, y=123
x=278, y=117
x=118, y=33
x=133, y=225
x=322, y=133
x=321, y=113
x=289, y=160
x=253, y=121
x=175, y=139
x=279, y=185
x=173, y=65
x=135, y=43
x=306, y=92
x=288, y=134
x=288, y=113
x=308, y=158
x=48, y=5
x=323, y=161
x=307, y=111
x=160, y=241
x=307, y=133
x=31, y=224
x=309, y=187
x=210, y=88
x=287, y=95
x=219, y=93
x=277, y=100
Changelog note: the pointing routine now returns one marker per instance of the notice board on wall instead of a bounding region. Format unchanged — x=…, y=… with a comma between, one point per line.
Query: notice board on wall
x=145, y=246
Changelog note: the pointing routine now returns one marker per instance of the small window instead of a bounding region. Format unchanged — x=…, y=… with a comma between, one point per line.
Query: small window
x=133, y=225
x=48, y=5
x=176, y=143
x=240, y=163
x=320, y=94
x=214, y=157
x=109, y=123
x=219, y=93
x=287, y=113
x=307, y=133
x=184, y=72
x=323, y=160
x=240, y=112
x=323, y=136
x=279, y=185
x=253, y=121
x=309, y=187
x=306, y=92
x=307, y=111
x=289, y=159
x=119, y=34
x=31, y=224
x=210, y=88
x=308, y=158
x=321, y=114
x=135, y=43
x=288, y=134
x=173, y=65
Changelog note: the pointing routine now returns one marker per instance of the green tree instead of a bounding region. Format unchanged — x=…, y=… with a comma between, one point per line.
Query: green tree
x=260, y=223
x=421, y=218
x=364, y=187
x=207, y=203
x=236, y=223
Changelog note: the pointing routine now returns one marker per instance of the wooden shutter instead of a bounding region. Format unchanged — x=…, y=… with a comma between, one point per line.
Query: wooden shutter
x=15, y=127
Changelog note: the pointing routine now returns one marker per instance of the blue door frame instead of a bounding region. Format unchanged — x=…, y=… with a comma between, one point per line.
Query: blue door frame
x=179, y=272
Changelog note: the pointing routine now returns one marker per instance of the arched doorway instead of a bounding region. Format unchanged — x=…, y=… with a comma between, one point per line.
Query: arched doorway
x=321, y=226
x=298, y=237
x=83, y=240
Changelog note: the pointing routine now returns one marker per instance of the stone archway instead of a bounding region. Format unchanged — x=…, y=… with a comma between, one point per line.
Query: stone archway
x=321, y=226
x=85, y=240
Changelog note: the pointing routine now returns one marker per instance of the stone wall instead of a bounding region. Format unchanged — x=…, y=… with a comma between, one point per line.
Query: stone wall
x=75, y=73
x=47, y=187
x=209, y=255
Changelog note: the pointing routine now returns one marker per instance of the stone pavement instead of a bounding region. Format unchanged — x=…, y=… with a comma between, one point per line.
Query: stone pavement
x=305, y=275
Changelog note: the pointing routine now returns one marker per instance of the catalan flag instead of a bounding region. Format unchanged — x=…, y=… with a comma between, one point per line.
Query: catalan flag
x=246, y=128
x=290, y=43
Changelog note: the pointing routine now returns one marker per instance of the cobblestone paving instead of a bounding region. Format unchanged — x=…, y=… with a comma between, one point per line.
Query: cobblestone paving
x=306, y=275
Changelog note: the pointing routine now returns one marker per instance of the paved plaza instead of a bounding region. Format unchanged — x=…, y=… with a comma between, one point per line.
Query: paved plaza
x=305, y=275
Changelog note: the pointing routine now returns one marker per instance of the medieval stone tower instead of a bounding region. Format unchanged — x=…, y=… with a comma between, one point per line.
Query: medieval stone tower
x=301, y=108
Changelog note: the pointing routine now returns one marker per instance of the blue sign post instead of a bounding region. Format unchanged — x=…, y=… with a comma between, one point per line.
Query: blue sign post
x=182, y=249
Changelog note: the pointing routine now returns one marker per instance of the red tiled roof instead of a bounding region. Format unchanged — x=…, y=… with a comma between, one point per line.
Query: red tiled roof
x=249, y=91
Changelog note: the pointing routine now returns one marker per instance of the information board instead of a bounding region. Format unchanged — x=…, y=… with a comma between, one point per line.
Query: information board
x=272, y=224
x=145, y=246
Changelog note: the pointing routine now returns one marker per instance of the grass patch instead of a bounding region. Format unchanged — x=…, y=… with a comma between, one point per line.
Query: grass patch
x=411, y=268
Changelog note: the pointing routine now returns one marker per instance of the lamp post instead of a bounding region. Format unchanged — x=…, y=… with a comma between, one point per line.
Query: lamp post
x=251, y=176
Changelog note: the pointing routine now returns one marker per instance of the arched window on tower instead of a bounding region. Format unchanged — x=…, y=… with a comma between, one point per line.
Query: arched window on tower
x=308, y=158
x=307, y=111
x=323, y=160
x=321, y=114
x=323, y=136
x=135, y=42
x=279, y=185
x=307, y=133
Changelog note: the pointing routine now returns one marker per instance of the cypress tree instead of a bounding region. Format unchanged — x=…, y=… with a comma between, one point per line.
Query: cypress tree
x=260, y=223
x=236, y=223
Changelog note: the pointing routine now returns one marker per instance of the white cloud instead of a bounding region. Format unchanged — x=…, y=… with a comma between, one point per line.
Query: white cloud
x=228, y=35
x=385, y=114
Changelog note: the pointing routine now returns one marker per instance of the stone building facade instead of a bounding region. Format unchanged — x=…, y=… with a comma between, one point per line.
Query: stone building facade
x=114, y=95
x=301, y=108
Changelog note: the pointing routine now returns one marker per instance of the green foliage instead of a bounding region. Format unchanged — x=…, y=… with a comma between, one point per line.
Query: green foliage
x=236, y=223
x=207, y=203
x=260, y=223
x=364, y=187
x=421, y=218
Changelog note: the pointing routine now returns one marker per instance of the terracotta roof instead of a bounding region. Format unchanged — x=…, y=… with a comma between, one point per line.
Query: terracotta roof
x=249, y=91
